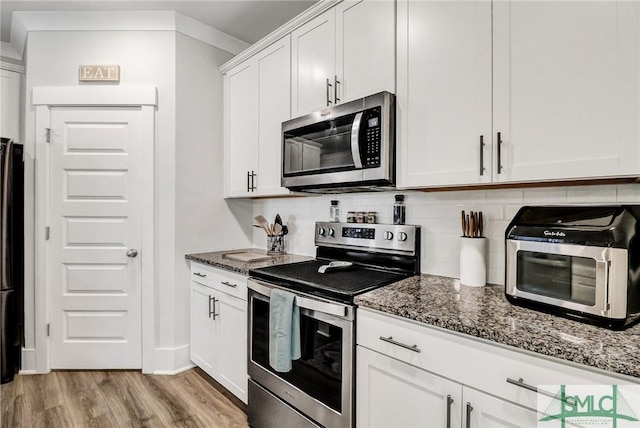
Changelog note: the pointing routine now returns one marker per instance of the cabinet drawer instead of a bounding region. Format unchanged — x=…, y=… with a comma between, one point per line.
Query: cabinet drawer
x=228, y=282
x=470, y=361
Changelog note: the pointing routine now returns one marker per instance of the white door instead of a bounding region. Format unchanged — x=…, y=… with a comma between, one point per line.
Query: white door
x=566, y=89
x=241, y=135
x=95, y=225
x=313, y=64
x=365, y=48
x=392, y=393
x=274, y=107
x=444, y=93
x=484, y=411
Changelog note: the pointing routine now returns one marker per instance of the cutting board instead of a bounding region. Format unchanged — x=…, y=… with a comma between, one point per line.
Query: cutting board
x=246, y=257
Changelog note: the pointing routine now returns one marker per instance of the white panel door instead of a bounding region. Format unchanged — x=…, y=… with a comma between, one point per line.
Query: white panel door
x=274, y=107
x=95, y=219
x=313, y=64
x=484, y=411
x=365, y=48
x=391, y=393
x=566, y=89
x=201, y=328
x=444, y=93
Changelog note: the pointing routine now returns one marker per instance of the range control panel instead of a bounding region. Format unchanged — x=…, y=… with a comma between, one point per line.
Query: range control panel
x=392, y=237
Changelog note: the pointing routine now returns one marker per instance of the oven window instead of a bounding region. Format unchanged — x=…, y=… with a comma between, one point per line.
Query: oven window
x=562, y=277
x=319, y=371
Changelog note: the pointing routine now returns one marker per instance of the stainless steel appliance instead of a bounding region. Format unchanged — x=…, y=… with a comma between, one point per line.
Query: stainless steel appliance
x=11, y=257
x=318, y=391
x=350, y=146
x=578, y=261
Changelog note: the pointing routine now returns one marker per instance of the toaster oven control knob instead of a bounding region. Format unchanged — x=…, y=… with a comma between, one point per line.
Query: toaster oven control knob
x=331, y=232
x=402, y=236
x=388, y=235
x=321, y=231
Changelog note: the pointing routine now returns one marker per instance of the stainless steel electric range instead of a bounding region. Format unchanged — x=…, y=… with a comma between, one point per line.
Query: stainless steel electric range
x=351, y=258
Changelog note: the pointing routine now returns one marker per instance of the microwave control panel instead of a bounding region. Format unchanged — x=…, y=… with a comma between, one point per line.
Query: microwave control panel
x=372, y=138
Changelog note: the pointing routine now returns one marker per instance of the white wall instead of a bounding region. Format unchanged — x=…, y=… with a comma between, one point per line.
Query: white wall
x=439, y=215
x=204, y=221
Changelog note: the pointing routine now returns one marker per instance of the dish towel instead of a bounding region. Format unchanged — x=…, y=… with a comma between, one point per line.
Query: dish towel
x=284, y=330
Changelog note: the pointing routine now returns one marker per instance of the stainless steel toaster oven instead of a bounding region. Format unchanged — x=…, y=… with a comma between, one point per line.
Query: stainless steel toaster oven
x=577, y=261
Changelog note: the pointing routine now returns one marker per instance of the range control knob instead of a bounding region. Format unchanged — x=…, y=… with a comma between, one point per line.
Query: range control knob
x=388, y=235
x=321, y=231
x=332, y=232
x=402, y=236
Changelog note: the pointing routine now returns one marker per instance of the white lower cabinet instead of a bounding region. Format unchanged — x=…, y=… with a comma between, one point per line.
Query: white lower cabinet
x=218, y=325
x=409, y=374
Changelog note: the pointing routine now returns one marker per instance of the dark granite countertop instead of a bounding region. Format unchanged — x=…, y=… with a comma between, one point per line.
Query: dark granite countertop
x=218, y=260
x=485, y=313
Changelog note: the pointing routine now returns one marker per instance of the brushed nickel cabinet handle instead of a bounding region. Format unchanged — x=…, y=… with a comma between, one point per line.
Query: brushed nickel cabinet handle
x=201, y=275
x=389, y=339
x=449, y=403
x=329, y=93
x=499, y=153
x=335, y=89
x=469, y=410
x=212, y=307
x=482, y=155
x=521, y=384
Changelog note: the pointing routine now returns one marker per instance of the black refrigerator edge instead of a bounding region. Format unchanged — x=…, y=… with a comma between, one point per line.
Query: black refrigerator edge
x=11, y=257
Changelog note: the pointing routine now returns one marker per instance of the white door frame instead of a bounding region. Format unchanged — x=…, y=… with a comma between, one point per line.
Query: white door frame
x=44, y=98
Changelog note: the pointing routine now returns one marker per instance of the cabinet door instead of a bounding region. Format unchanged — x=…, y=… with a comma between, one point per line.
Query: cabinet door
x=444, y=93
x=10, y=105
x=566, y=89
x=365, y=48
x=201, y=328
x=274, y=107
x=484, y=411
x=231, y=344
x=313, y=64
x=391, y=393
x=241, y=132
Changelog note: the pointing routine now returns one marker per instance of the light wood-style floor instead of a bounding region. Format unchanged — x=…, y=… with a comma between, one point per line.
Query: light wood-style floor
x=116, y=399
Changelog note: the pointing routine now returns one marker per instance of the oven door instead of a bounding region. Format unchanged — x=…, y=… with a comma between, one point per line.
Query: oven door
x=574, y=277
x=320, y=383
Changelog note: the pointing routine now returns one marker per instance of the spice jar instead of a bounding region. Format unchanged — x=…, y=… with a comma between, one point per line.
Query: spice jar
x=372, y=217
x=351, y=216
x=334, y=212
x=399, y=210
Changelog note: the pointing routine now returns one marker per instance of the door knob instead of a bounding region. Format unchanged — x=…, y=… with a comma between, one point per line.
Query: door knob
x=132, y=253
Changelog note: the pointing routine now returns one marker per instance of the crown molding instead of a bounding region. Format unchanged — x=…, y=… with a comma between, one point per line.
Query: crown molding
x=25, y=22
x=280, y=32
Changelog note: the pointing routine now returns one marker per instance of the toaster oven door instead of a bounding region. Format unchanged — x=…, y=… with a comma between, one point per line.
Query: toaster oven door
x=592, y=280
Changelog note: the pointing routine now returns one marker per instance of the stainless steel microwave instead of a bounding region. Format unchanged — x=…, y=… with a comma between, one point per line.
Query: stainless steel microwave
x=349, y=146
x=582, y=262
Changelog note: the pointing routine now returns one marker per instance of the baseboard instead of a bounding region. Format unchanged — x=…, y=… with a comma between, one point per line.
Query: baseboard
x=170, y=361
x=28, y=361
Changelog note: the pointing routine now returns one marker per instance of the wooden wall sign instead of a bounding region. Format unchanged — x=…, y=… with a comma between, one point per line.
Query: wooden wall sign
x=99, y=73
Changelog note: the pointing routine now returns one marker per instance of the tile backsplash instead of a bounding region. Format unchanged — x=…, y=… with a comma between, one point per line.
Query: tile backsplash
x=439, y=215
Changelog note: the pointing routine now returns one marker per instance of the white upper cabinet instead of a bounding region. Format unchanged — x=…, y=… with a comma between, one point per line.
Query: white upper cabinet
x=10, y=104
x=274, y=107
x=566, y=89
x=257, y=101
x=444, y=93
x=552, y=93
x=343, y=54
x=240, y=129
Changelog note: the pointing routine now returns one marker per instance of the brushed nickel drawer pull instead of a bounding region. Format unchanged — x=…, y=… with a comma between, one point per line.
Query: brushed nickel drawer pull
x=229, y=284
x=449, y=403
x=389, y=339
x=201, y=275
x=469, y=410
x=521, y=384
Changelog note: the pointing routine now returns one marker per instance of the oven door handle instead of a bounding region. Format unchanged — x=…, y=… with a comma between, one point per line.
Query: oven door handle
x=330, y=308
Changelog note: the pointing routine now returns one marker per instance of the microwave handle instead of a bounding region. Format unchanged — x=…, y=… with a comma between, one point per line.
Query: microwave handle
x=355, y=140
x=602, y=271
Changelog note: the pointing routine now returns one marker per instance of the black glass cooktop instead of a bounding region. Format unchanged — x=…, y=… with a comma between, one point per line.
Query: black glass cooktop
x=341, y=284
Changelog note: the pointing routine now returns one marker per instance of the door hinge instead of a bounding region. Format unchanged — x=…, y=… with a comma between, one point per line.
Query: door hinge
x=48, y=330
x=47, y=232
x=48, y=135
